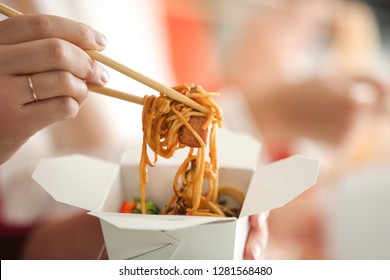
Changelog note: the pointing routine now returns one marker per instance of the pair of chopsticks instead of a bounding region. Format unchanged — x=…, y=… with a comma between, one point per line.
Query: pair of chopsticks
x=9, y=12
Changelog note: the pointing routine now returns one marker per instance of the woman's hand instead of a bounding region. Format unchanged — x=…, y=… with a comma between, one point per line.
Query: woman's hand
x=257, y=237
x=43, y=74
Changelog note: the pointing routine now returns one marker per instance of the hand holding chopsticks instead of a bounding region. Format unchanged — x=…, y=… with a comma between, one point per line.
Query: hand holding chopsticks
x=7, y=11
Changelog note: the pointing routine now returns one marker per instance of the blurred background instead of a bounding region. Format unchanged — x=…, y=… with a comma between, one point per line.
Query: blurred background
x=303, y=76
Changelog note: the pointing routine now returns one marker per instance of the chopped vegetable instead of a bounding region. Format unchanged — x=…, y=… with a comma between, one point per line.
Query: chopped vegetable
x=128, y=206
x=135, y=207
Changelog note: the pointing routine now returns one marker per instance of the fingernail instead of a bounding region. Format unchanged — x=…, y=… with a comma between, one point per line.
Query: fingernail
x=104, y=76
x=257, y=251
x=100, y=39
x=263, y=218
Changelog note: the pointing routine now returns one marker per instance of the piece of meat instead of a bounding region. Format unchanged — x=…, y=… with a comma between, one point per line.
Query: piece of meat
x=187, y=138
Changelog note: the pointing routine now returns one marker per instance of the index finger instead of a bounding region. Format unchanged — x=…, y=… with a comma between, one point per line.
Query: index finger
x=26, y=28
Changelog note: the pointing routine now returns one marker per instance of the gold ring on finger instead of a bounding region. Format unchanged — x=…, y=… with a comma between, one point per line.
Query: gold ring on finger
x=31, y=86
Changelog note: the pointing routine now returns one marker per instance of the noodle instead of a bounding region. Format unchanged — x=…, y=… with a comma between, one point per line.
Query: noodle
x=164, y=122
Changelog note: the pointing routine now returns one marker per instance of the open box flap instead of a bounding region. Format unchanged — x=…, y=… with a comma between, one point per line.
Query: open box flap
x=156, y=222
x=276, y=184
x=237, y=150
x=77, y=180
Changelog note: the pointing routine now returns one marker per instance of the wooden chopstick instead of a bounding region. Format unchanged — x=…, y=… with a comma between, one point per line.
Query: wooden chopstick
x=9, y=12
x=146, y=80
x=116, y=94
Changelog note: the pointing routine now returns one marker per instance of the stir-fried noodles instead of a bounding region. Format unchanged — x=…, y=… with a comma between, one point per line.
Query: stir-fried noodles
x=169, y=125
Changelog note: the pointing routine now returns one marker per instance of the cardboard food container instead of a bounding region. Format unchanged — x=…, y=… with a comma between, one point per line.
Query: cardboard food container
x=100, y=187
